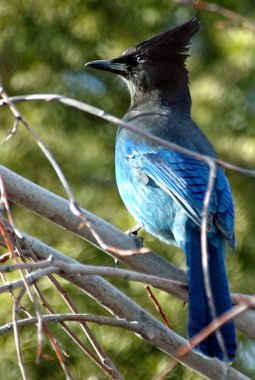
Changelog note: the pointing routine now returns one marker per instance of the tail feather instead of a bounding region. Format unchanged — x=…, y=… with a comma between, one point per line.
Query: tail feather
x=199, y=311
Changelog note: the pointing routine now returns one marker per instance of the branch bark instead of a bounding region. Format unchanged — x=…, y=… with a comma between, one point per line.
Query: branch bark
x=121, y=306
x=56, y=209
x=44, y=203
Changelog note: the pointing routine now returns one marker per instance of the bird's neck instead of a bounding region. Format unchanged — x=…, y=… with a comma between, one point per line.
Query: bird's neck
x=177, y=102
x=171, y=89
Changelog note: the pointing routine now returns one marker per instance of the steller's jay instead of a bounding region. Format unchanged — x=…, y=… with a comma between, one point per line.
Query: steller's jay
x=164, y=189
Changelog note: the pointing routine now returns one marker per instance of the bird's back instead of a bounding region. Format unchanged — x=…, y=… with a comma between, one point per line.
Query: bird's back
x=172, y=123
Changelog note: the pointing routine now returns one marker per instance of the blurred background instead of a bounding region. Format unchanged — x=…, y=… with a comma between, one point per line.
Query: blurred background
x=44, y=45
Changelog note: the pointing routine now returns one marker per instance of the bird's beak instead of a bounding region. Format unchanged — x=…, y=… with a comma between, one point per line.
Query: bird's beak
x=112, y=66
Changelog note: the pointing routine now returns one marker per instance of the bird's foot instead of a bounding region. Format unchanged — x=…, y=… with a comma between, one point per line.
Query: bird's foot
x=134, y=230
x=133, y=233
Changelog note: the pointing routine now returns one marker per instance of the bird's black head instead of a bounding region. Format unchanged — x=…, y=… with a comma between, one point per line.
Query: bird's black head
x=155, y=65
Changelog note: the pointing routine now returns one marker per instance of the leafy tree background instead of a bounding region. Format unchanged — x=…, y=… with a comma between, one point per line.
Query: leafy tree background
x=43, y=48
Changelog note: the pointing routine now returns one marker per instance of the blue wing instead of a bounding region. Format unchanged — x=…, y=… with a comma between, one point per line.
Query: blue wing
x=185, y=179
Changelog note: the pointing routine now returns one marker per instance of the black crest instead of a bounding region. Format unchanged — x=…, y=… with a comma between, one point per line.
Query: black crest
x=171, y=45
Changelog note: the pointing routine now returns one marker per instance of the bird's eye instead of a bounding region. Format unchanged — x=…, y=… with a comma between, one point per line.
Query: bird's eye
x=140, y=59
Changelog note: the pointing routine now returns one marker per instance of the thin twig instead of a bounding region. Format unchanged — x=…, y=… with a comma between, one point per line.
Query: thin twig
x=122, y=307
x=58, y=352
x=36, y=308
x=205, y=254
x=105, y=363
x=16, y=333
x=204, y=333
x=158, y=307
x=134, y=326
x=213, y=326
x=131, y=127
x=30, y=279
x=222, y=11
x=74, y=206
x=29, y=266
x=156, y=281
x=20, y=118
x=114, y=374
x=12, y=132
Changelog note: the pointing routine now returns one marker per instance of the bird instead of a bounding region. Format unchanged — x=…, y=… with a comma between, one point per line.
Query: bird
x=164, y=189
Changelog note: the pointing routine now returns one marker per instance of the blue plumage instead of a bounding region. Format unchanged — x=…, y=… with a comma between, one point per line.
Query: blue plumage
x=163, y=189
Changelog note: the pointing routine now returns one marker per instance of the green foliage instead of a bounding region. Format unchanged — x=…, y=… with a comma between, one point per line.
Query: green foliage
x=43, y=48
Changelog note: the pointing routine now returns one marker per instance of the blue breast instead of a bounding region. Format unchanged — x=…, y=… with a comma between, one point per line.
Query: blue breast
x=140, y=194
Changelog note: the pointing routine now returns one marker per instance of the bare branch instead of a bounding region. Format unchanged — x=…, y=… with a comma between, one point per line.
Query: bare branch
x=134, y=326
x=30, y=279
x=56, y=209
x=121, y=306
x=53, y=207
x=78, y=317
x=103, y=363
x=165, y=284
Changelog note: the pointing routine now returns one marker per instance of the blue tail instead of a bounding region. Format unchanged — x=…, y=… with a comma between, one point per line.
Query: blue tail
x=199, y=312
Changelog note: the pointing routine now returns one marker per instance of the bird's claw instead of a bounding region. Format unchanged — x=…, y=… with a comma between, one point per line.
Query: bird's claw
x=134, y=230
x=133, y=233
